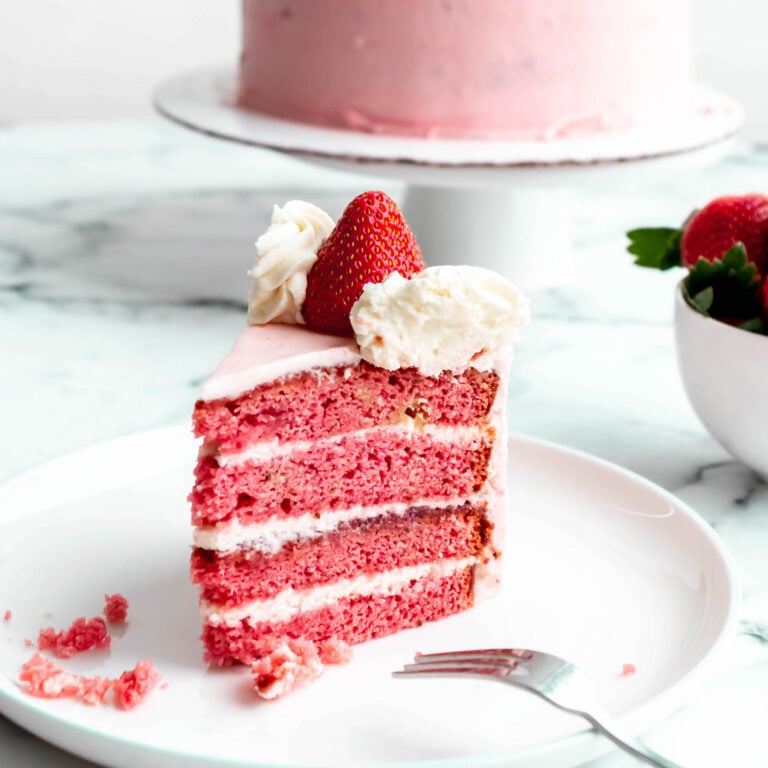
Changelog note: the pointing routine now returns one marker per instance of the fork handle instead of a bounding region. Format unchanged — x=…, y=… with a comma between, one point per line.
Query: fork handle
x=629, y=744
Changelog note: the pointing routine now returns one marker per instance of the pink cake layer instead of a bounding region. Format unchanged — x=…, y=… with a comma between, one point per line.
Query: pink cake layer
x=343, y=399
x=352, y=620
x=390, y=466
x=422, y=535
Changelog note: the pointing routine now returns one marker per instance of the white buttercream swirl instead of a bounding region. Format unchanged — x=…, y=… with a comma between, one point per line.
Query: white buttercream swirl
x=284, y=255
x=443, y=318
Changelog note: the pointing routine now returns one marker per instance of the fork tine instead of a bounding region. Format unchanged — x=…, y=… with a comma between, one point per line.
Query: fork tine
x=520, y=653
x=508, y=656
x=496, y=662
x=414, y=670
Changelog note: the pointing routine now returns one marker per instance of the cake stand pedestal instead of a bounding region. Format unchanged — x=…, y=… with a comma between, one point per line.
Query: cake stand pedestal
x=522, y=233
x=504, y=205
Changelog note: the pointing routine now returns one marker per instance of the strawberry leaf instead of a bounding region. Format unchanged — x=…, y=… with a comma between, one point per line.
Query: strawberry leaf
x=726, y=289
x=656, y=247
x=703, y=300
x=755, y=325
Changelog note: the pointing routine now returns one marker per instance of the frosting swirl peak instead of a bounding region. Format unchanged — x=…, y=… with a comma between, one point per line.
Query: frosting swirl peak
x=284, y=255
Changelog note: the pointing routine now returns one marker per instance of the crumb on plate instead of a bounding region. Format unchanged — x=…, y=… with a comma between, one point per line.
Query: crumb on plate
x=46, y=680
x=133, y=685
x=283, y=665
x=82, y=635
x=335, y=651
x=115, y=608
x=286, y=663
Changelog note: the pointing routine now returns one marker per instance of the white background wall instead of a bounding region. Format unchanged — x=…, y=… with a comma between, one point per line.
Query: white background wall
x=100, y=59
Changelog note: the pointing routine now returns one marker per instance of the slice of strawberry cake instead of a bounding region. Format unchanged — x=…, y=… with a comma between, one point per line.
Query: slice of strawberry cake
x=350, y=481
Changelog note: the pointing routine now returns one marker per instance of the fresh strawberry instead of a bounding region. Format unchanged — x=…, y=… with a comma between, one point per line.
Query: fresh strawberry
x=369, y=242
x=709, y=233
x=719, y=225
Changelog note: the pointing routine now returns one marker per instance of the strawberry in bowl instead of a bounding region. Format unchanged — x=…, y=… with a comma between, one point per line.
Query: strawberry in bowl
x=724, y=246
x=721, y=317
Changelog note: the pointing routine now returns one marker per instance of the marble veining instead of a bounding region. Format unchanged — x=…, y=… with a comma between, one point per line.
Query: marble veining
x=123, y=252
x=756, y=630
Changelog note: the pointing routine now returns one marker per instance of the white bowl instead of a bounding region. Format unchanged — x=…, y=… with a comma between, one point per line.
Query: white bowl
x=725, y=375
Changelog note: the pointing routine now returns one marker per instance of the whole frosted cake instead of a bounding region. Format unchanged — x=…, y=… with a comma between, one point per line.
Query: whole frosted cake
x=351, y=478
x=513, y=69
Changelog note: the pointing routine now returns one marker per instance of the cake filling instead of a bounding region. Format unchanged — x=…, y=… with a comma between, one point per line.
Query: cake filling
x=374, y=545
x=275, y=533
x=408, y=427
x=290, y=602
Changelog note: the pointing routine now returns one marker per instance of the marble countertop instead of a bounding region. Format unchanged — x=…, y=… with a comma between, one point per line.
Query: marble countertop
x=123, y=250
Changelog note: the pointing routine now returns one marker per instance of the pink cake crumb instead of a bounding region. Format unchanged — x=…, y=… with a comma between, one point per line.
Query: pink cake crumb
x=45, y=680
x=628, y=670
x=94, y=690
x=283, y=665
x=133, y=685
x=28, y=643
x=115, y=608
x=48, y=681
x=82, y=635
x=335, y=651
x=7, y=615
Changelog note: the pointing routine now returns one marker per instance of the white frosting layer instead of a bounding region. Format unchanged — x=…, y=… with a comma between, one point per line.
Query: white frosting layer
x=443, y=318
x=284, y=255
x=290, y=602
x=265, y=450
x=272, y=535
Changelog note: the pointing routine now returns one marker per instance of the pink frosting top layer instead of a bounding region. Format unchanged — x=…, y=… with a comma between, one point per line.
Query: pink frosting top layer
x=513, y=69
x=267, y=352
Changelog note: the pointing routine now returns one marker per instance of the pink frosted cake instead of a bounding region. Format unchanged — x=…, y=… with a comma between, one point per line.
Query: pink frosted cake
x=512, y=69
x=351, y=483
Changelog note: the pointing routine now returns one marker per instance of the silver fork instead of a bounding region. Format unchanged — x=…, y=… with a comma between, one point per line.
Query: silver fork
x=554, y=679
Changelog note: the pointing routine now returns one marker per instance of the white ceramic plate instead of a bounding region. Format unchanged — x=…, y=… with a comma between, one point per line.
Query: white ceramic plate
x=204, y=101
x=602, y=567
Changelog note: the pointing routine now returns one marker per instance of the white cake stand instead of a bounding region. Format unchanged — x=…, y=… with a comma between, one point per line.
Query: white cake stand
x=498, y=204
